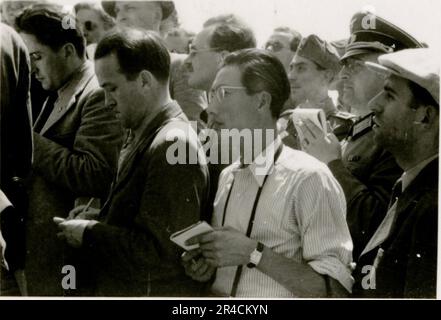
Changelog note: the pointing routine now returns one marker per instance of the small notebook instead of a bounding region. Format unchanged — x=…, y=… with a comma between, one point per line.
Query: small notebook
x=196, y=229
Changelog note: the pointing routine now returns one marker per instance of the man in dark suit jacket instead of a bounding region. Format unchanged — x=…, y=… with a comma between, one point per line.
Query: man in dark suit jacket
x=77, y=139
x=16, y=151
x=152, y=197
x=400, y=260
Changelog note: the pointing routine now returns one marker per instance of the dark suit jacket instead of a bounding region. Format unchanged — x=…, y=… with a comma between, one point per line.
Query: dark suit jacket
x=131, y=247
x=409, y=263
x=367, y=174
x=76, y=156
x=15, y=140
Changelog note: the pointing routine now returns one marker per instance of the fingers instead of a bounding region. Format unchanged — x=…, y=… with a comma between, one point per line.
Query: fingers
x=190, y=255
x=58, y=220
x=75, y=211
x=201, y=238
x=313, y=129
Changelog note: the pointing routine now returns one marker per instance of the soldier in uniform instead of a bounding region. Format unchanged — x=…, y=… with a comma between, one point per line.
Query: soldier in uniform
x=312, y=71
x=365, y=170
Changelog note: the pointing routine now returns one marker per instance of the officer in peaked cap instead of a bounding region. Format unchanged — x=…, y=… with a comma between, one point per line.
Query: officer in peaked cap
x=364, y=169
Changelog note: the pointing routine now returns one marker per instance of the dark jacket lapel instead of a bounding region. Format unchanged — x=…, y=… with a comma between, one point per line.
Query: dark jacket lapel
x=169, y=113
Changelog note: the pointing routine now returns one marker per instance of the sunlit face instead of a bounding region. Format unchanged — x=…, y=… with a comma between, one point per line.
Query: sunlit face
x=139, y=14
x=237, y=109
x=394, y=114
x=91, y=24
x=360, y=84
x=49, y=66
x=280, y=45
x=306, y=80
x=124, y=95
x=203, y=61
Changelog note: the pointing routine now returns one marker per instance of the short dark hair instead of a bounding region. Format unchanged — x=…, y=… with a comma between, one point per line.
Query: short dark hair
x=136, y=50
x=232, y=38
x=47, y=22
x=296, y=37
x=230, y=33
x=421, y=96
x=262, y=71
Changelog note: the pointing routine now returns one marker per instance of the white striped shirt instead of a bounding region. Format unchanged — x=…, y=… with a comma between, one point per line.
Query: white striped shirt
x=301, y=215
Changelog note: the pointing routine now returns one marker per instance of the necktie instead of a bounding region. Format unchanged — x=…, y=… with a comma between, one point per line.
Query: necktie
x=47, y=110
x=397, y=190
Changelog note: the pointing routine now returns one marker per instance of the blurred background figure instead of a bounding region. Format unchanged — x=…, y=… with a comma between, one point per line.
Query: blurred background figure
x=11, y=9
x=178, y=40
x=283, y=44
x=337, y=85
x=149, y=15
x=94, y=22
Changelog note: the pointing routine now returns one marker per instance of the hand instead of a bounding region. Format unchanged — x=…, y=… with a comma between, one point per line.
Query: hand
x=89, y=214
x=224, y=247
x=196, y=266
x=72, y=230
x=324, y=148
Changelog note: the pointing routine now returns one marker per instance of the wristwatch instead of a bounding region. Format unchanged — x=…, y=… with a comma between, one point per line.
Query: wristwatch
x=255, y=256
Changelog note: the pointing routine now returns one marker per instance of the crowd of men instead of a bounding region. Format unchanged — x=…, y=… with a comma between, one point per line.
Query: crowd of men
x=95, y=102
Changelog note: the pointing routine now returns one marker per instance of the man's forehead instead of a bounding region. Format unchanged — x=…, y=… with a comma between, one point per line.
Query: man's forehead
x=202, y=38
x=229, y=75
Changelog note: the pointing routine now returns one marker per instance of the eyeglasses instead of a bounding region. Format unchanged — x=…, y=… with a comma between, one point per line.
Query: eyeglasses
x=219, y=92
x=274, y=46
x=193, y=51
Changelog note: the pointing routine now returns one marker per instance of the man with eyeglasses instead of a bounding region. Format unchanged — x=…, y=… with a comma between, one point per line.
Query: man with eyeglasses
x=288, y=243
x=221, y=35
x=150, y=15
x=283, y=44
x=365, y=170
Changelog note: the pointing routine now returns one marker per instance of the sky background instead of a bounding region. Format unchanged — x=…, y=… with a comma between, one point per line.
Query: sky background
x=328, y=19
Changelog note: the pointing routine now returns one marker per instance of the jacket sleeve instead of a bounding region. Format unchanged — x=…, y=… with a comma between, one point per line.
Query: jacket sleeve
x=367, y=201
x=172, y=199
x=88, y=168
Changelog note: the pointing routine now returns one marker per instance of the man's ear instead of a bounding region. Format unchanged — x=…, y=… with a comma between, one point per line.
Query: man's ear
x=329, y=76
x=147, y=79
x=68, y=50
x=264, y=100
x=426, y=115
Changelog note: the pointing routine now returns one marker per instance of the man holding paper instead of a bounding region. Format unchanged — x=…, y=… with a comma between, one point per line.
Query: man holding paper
x=128, y=244
x=279, y=216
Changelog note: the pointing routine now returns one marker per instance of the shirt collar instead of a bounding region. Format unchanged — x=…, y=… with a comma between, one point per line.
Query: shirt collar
x=263, y=163
x=409, y=175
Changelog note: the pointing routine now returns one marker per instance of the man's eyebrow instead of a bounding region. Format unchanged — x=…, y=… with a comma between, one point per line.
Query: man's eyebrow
x=389, y=89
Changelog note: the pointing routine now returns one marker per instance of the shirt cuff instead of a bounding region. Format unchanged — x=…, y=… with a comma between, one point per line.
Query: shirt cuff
x=335, y=269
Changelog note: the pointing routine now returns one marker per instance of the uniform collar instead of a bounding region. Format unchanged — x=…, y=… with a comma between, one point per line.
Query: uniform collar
x=409, y=175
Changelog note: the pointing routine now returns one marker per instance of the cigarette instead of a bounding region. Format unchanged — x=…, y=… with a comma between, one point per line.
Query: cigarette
x=88, y=205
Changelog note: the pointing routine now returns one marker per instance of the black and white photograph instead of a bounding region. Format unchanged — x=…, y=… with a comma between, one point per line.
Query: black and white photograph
x=219, y=150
